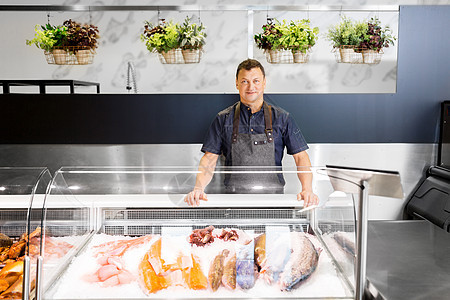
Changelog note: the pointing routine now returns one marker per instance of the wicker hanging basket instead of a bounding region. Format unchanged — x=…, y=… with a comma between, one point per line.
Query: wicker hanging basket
x=287, y=56
x=191, y=56
x=70, y=55
x=354, y=55
x=179, y=56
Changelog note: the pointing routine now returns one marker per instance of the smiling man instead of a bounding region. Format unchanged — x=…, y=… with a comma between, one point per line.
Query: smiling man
x=253, y=134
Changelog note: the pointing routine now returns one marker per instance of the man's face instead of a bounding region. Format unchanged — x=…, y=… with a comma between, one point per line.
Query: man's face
x=251, y=84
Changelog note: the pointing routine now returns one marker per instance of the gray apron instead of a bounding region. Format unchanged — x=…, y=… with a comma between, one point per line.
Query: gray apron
x=253, y=150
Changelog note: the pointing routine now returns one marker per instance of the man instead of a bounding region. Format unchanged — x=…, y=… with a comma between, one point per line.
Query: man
x=252, y=133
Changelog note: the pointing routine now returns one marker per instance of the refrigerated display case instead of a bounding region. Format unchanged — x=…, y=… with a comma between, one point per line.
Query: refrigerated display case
x=22, y=192
x=127, y=233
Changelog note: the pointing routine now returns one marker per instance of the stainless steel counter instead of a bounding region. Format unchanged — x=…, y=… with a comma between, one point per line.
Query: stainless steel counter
x=408, y=260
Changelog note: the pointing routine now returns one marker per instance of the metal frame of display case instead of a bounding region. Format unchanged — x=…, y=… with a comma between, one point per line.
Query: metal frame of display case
x=23, y=181
x=365, y=182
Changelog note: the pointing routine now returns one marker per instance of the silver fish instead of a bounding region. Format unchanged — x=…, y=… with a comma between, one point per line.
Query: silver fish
x=344, y=241
x=302, y=262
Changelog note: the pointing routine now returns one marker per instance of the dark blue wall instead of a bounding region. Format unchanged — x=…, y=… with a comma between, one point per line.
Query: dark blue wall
x=409, y=116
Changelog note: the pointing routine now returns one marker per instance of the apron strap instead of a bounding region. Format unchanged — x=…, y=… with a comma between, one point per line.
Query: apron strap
x=267, y=121
x=237, y=114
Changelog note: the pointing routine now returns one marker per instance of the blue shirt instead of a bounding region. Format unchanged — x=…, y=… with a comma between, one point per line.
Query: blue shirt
x=285, y=132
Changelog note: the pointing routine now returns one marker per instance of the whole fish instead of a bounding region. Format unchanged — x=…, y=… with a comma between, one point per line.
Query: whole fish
x=216, y=270
x=302, y=262
x=344, y=241
x=229, y=272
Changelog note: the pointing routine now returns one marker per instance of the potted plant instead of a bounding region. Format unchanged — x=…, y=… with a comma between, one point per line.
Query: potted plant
x=298, y=37
x=47, y=37
x=269, y=40
x=375, y=39
x=162, y=38
x=346, y=36
x=81, y=39
x=192, y=38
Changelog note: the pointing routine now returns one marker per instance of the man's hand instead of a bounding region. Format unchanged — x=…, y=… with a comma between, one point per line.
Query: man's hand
x=309, y=197
x=194, y=197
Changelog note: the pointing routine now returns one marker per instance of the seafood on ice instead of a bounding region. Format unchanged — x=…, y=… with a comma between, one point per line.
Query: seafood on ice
x=11, y=279
x=302, y=262
x=245, y=266
x=216, y=270
x=291, y=260
x=207, y=235
x=207, y=260
x=111, y=271
x=155, y=274
x=12, y=254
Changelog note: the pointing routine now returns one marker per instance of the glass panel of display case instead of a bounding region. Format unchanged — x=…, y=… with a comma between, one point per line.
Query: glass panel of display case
x=22, y=192
x=128, y=233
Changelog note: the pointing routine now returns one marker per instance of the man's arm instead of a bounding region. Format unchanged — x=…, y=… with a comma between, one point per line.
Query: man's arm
x=206, y=168
x=304, y=164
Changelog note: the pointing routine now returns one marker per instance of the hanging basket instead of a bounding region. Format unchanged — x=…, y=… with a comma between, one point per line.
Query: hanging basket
x=179, y=56
x=191, y=56
x=353, y=55
x=372, y=57
x=287, y=56
x=301, y=57
x=70, y=55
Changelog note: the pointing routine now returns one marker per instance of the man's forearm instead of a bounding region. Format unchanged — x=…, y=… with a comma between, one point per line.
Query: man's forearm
x=304, y=167
x=206, y=170
x=306, y=181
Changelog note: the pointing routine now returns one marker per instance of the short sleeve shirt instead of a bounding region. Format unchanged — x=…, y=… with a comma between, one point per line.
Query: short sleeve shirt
x=286, y=133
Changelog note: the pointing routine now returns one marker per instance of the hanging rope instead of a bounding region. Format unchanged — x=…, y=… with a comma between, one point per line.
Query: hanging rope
x=48, y=17
x=269, y=20
x=160, y=21
x=90, y=15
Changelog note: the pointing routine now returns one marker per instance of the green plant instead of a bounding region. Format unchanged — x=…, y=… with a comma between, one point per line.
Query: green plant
x=160, y=38
x=297, y=35
x=347, y=32
x=376, y=36
x=191, y=35
x=78, y=35
x=48, y=36
x=269, y=39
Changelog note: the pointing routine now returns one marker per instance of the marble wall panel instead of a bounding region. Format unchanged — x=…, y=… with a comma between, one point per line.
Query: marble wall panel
x=227, y=45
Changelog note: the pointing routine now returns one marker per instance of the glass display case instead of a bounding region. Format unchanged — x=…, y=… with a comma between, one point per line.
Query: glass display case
x=22, y=193
x=127, y=233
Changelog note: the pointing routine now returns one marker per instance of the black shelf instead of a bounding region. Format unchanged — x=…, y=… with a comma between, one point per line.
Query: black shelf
x=44, y=83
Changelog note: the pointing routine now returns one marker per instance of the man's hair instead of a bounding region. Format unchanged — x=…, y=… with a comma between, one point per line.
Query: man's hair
x=249, y=64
